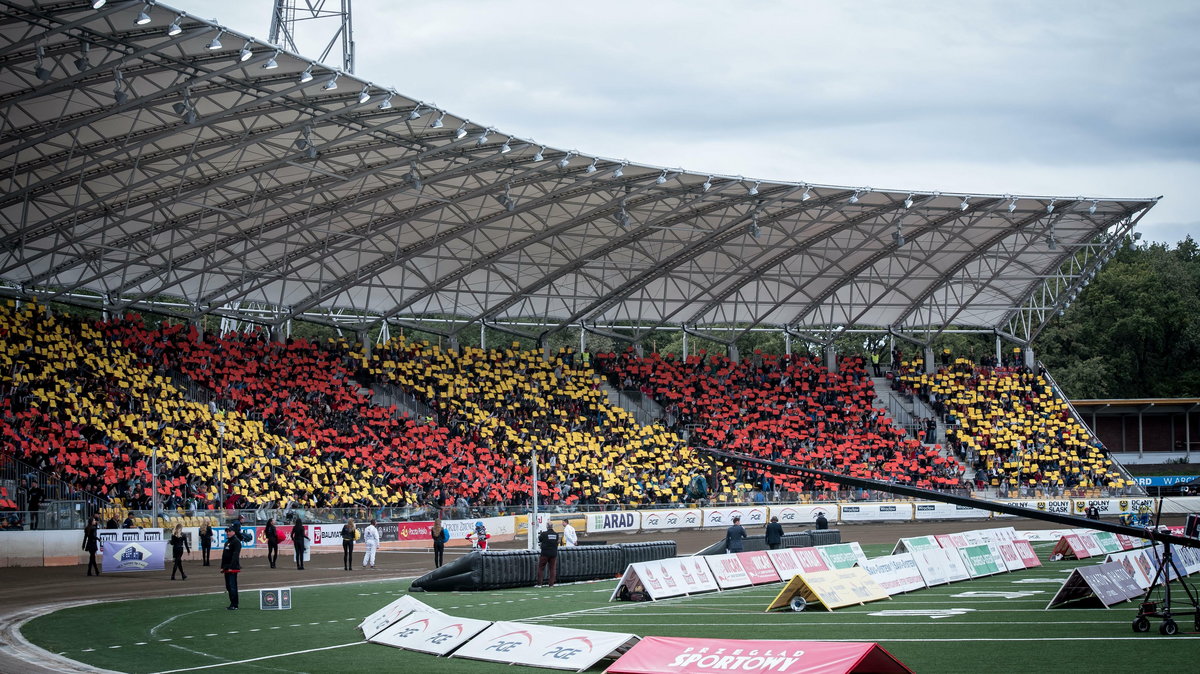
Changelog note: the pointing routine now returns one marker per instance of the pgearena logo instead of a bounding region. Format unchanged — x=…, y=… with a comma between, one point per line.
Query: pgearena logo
x=505, y=643
x=413, y=628
x=568, y=648
x=446, y=634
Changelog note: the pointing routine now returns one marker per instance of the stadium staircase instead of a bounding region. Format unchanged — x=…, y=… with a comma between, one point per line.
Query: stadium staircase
x=385, y=395
x=907, y=411
x=643, y=408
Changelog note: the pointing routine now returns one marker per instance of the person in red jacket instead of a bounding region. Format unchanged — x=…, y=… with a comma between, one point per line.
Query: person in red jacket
x=479, y=537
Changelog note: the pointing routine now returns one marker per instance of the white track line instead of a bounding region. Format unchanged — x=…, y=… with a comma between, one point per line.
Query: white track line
x=259, y=659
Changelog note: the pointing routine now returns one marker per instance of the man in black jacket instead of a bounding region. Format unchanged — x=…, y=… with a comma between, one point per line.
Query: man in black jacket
x=774, y=534
x=231, y=563
x=548, y=555
x=734, y=536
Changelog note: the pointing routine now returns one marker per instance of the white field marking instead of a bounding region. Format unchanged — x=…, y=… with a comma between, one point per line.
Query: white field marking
x=260, y=659
x=856, y=624
x=1019, y=594
x=861, y=611
x=154, y=630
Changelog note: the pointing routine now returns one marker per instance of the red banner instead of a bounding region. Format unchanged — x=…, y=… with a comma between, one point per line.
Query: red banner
x=759, y=567
x=1028, y=556
x=671, y=655
x=414, y=531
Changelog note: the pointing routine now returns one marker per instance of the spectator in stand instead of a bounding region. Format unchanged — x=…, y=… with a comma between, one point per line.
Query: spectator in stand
x=35, y=504
x=91, y=543
x=440, y=536
x=547, y=555
x=298, y=538
x=128, y=523
x=734, y=536
x=231, y=563
x=272, y=536
x=179, y=543
x=112, y=522
x=774, y=534
x=371, y=539
x=206, y=541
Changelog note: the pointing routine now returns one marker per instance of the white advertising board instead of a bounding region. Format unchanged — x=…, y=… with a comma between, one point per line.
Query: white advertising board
x=786, y=564
x=616, y=520
x=683, y=518
x=430, y=632
x=723, y=517
x=932, y=565
x=544, y=646
x=1111, y=507
x=728, y=571
x=895, y=573
x=1137, y=563
x=496, y=526
x=1008, y=553
x=1091, y=544
x=804, y=514
x=947, y=511
x=386, y=616
x=876, y=512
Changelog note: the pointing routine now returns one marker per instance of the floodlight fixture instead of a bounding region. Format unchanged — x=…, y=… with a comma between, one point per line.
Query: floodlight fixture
x=82, y=63
x=505, y=148
x=753, y=191
x=175, y=29
x=566, y=159
x=1093, y=207
x=438, y=123
x=364, y=95
x=619, y=171
x=854, y=197
x=591, y=168
x=41, y=72
x=244, y=54
x=707, y=185
x=461, y=132
x=908, y=202
x=143, y=16
x=416, y=113
x=965, y=204
x=97, y=4
x=307, y=75
x=386, y=103
x=1050, y=206
x=1012, y=205
x=332, y=83
x=538, y=156
x=215, y=43
x=271, y=63
x=483, y=137
x=119, y=93
x=807, y=193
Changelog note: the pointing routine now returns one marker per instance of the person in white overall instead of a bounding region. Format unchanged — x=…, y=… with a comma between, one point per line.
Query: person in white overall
x=371, y=538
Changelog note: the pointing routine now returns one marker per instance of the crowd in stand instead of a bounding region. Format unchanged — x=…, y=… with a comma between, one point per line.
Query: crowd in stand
x=788, y=408
x=292, y=424
x=517, y=403
x=1009, y=427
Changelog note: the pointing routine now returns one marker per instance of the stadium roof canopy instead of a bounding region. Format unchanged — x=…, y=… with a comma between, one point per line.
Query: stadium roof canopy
x=183, y=167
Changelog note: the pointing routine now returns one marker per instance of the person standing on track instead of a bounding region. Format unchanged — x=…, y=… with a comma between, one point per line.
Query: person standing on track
x=231, y=563
x=91, y=543
x=547, y=555
x=298, y=538
x=179, y=543
x=734, y=536
x=349, y=533
x=774, y=534
x=272, y=536
x=206, y=536
x=440, y=535
x=371, y=539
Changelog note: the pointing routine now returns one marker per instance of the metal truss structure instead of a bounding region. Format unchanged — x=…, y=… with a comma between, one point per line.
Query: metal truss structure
x=287, y=15
x=156, y=161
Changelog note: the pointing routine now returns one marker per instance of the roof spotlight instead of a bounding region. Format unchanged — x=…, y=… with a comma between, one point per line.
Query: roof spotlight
x=1012, y=206
x=215, y=43
x=143, y=16
x=1050, y=206
x=245, y=53
x=707, y=185
x=461, y=132
x=591, y=168
x=566, y=159
x=437, y=123
x=386, y=103
x=506, y=148
x=97, y=4
x=854, y=197
x=538, y=155
x=662, y=178
x=415, y=114
x=82, y=63
x=175, y=29
x=271, y=63
x=307, y=75
x=898, y=237
x=908, y=202
x=41, y=72
x=965, y=204
x=1093, y=207
x=364, y=95
x=332, y=83
x=807, y=193
x=483, y=137
x=753, y=191
x=620, y=171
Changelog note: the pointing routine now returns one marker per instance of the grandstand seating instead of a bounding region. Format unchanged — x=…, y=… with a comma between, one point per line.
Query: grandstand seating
x=514, y=401
x=1008, y=423
x=783, y=408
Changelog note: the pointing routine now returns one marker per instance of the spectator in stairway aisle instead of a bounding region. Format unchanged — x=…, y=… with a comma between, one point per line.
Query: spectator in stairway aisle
x=875, y=365
x=774, y=535
x=35, y=503
x=734, y=536
x=821, y=522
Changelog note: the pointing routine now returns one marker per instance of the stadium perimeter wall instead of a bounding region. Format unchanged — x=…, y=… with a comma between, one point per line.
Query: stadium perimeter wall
x=63, y=548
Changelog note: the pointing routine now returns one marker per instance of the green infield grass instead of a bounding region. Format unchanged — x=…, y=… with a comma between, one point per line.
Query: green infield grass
x=992, y=624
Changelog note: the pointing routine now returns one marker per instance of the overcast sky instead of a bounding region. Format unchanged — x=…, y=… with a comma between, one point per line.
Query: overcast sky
x=1093, y=98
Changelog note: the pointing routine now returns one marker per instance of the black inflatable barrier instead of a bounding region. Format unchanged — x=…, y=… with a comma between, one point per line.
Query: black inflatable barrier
x=826, y=536
x=791, y=539
x=499, y=569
